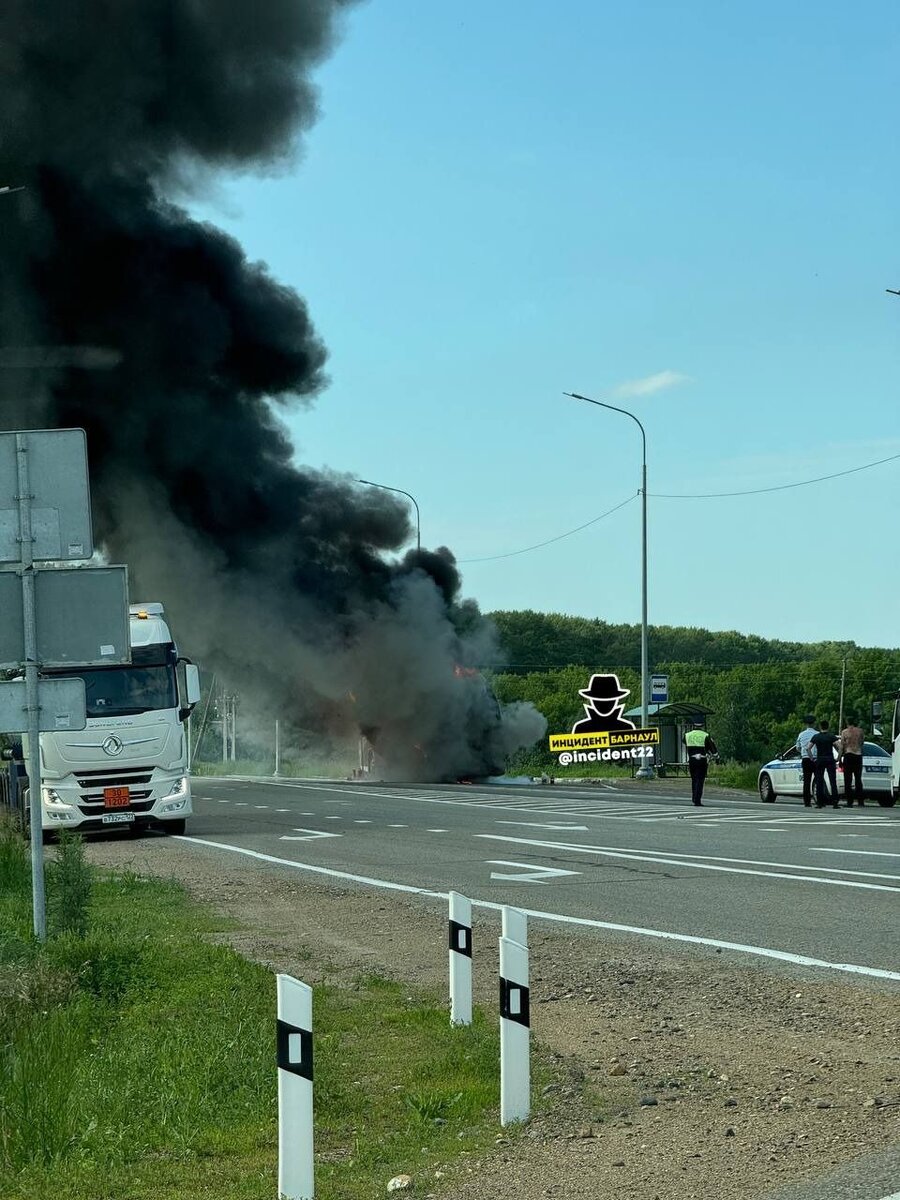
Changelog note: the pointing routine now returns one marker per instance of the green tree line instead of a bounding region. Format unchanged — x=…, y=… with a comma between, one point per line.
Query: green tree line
x=759, y=690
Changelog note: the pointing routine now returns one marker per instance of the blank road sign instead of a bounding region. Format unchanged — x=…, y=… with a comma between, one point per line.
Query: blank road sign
x=81, y=615
x=61, y=502
x=62, y=705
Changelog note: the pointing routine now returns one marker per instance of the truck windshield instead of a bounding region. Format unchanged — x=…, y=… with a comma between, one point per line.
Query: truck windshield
x=119, y=691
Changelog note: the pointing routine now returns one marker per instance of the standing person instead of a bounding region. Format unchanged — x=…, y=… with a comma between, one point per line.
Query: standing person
x=822, y=746
x=806, y=763
x=852, y=749
x=699, y=746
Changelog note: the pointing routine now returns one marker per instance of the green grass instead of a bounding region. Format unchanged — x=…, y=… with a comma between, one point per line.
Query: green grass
x=138, y=1062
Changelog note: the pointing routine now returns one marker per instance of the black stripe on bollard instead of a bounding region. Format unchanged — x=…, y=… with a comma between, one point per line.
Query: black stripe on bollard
x=292, y=1055
x=514, y=1002
x=461, y=938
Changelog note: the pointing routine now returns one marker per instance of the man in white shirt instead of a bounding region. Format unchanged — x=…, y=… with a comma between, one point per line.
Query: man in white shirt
x=806, y=763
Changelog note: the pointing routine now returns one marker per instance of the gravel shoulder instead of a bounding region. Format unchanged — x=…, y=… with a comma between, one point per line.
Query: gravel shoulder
x=691, y=1075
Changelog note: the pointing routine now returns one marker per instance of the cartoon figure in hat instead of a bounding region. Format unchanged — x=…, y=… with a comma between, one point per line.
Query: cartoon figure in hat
x=604, y=709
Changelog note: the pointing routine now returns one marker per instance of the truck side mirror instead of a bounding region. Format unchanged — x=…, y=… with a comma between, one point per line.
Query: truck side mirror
x=192, y=684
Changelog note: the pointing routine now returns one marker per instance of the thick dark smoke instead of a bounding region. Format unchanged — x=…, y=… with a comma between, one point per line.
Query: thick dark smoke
x=122, y=314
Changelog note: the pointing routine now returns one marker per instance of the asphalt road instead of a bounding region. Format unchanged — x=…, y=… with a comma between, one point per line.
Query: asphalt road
x=780, y=883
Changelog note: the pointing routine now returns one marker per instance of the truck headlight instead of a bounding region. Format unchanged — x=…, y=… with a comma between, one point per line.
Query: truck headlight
x=177, y=789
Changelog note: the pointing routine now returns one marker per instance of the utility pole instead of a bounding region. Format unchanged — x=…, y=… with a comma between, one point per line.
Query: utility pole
x=224, y=726
x=843, y=681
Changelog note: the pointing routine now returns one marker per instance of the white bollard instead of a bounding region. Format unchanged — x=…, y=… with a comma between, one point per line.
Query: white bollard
x=295, y=1090
x=460, y=955
x=515, y=1023
x=515, y=925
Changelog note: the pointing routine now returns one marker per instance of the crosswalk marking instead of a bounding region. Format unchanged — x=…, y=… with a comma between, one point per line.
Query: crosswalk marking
x=645, y=813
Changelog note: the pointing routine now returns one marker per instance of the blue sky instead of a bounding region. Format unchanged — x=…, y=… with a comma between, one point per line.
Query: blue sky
x=506, y=200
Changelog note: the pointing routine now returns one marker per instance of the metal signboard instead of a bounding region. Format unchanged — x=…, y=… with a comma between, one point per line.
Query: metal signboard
x=62, y=705
x=81, y=615
x=60, y=497
x=659, y=689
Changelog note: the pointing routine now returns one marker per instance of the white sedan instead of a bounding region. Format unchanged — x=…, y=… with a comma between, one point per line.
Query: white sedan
x=783, y=776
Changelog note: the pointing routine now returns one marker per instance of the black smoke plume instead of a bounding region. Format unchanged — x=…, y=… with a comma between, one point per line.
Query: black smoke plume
x=121, y=313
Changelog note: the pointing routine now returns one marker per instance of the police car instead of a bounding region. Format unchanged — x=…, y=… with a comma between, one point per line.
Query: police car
x=783, y=776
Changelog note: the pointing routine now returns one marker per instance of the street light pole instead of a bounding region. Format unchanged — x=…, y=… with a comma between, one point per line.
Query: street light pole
x=384, y=487
x=645, y=771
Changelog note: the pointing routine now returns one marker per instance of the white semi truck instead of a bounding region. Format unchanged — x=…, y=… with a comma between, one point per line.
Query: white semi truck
x=129, y=765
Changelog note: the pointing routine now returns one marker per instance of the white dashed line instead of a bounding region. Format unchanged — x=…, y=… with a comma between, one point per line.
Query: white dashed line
x=436, y=831
x=364, y=821
x=260, y=806
x=398, y=827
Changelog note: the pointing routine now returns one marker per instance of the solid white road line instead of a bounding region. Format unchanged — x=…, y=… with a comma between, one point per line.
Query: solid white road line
x=801, y=960
x=675, y=859
x=841, y=850
x=542, y=825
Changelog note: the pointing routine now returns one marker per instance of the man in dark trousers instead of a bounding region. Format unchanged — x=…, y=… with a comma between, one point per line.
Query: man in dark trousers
x=699, y=746
x=806, y=763
x=852, y=749
x=821, y=747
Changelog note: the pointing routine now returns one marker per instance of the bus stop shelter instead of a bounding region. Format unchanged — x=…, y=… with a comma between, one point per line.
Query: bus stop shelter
x=673, y=721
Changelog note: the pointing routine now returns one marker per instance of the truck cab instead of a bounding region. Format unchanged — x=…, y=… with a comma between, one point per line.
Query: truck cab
x=128, y=766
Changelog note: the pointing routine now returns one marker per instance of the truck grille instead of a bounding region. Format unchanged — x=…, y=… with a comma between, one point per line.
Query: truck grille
x=93, y=783
x=106, y=778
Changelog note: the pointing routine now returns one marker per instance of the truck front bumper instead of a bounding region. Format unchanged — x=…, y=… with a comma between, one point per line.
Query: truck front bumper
x=66, y=805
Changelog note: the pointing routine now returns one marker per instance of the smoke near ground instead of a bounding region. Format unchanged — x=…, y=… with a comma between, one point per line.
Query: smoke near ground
x=122, y=314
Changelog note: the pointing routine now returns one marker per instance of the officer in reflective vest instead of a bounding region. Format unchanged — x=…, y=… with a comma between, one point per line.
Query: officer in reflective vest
x=699, y=746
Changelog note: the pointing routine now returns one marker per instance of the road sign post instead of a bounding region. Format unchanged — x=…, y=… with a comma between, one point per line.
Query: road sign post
x=51, y=617
x=32, y=702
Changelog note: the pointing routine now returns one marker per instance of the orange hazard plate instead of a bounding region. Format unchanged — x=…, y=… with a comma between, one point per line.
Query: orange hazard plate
x=116, y=797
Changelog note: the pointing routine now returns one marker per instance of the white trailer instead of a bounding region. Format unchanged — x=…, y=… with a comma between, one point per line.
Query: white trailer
x=129, y=765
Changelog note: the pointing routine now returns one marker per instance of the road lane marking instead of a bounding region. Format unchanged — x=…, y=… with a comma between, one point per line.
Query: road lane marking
x=398, y=827
x=284, y=810
x=307, y=835
x=869, y=853
x=529, y=874
x=800, y=960
x=362, y=821
x=676, y=859
x=542, y=825
x=266, y=806
x=435, y=830
x=329, y=818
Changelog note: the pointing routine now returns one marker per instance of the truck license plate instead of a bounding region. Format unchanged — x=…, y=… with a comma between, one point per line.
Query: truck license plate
x=116, y=797
x=117, y=818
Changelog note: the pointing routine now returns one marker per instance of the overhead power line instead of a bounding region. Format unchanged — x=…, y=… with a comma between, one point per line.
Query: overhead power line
x=559, y=537
x=781, y=487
